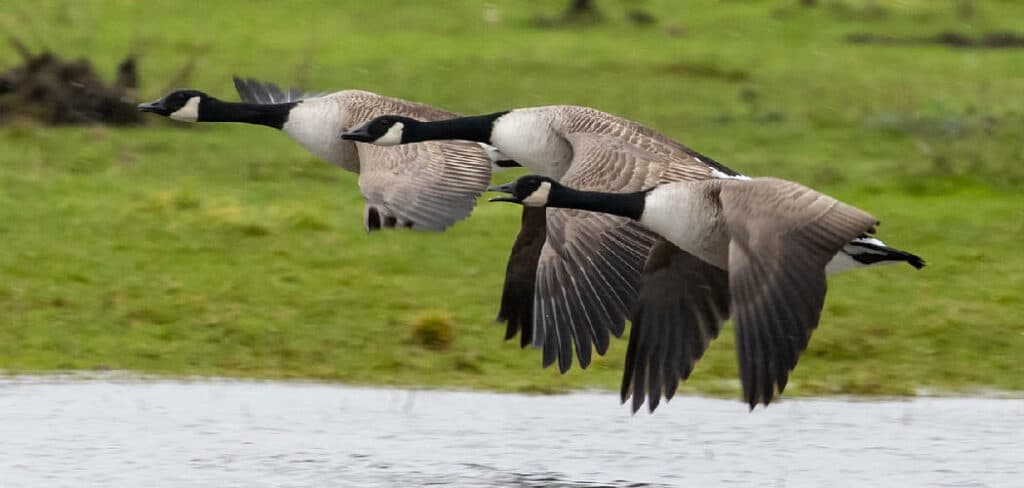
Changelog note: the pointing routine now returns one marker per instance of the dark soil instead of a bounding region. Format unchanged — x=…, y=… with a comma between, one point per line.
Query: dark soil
x=992, y=40
x=51, y=90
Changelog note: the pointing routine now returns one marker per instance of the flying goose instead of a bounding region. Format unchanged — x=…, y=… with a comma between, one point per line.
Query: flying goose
x=426, y=186
x=572, y=276
x=759, y=247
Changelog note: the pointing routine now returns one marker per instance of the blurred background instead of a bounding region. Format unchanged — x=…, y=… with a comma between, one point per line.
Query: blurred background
x=227, y=250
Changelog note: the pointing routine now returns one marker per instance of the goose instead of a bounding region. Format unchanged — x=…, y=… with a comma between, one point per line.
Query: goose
x=758, y=247
x=572, y=277
x=400, y=185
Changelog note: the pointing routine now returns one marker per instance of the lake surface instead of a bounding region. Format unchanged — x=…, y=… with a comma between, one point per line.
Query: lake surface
x=57, y=431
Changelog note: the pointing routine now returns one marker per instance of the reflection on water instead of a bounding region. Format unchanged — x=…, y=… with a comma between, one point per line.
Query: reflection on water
x=106, y=432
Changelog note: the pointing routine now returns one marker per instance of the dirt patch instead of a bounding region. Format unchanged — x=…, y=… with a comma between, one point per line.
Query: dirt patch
x=51, y=90
x=992, y=40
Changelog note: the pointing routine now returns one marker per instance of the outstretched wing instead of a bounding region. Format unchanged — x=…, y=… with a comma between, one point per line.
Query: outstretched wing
x=586, y=283
x=682, y=304
x=591, y=263
x=782, y=236
x=520, y=276
x=427, y=186
x=265, y=93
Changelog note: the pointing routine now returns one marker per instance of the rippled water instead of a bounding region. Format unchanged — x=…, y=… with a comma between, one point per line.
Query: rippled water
x=134, y=433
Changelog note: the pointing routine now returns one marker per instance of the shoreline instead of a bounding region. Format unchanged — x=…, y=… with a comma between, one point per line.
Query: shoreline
x=133, y=377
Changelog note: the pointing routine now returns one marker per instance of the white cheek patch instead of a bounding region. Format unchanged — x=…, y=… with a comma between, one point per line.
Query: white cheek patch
x=539, y=197
x=392, y=137
x=188, y=112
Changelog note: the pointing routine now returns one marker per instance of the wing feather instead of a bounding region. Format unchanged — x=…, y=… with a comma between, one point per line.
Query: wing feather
x=520, y=275
x=782, y=235
x=264, y=93
x=426, y=186
x=681, y=306
x=605, y=252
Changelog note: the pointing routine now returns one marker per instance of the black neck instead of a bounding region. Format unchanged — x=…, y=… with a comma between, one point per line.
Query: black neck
x=629, y=205
x=271, y=115
x=476, y=128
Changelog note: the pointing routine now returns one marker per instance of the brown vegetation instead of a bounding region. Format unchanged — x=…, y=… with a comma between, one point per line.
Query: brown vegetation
x=51, y=90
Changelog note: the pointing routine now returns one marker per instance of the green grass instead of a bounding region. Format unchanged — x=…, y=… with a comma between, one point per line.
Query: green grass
x=228, y=250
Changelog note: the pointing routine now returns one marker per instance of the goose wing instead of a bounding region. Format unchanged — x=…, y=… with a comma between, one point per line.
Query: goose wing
x=682, y=304
x=585, y=284
x=782, y=235
x=521, y=274
x=265, y=93
x=591, y=263
x=428, y=185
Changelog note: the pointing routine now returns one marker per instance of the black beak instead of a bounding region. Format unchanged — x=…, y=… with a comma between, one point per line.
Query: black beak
x=361, y=135
x=155, y=107
x=506, y=188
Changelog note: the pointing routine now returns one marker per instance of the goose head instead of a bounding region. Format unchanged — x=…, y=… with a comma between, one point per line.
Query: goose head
x=529, y=191
x=386, y=130
x=183, y=105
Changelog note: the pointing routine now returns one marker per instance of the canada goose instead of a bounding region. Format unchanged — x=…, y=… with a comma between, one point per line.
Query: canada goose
x=572, y=276
x=759, y=247
x=428, y=186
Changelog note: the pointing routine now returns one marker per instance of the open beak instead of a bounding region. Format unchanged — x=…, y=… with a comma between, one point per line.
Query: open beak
x=506, y=188
x=361, y=135
x=155, y=107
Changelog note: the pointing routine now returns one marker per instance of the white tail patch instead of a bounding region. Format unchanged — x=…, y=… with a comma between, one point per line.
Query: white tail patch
x=188, y=112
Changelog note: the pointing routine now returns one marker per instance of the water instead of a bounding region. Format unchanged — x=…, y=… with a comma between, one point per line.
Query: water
x=132, y=433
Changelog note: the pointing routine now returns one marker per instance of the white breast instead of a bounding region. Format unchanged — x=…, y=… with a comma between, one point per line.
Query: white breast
x=315, y=125
x=681, y=213
x=527, y=137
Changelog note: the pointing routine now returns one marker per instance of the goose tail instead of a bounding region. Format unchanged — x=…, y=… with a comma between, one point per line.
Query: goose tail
x=867, y=251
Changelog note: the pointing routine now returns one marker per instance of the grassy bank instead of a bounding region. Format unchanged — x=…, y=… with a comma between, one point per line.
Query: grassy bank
x=228, y=250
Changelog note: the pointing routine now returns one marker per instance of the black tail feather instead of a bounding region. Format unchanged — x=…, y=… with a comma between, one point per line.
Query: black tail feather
x=867, y=253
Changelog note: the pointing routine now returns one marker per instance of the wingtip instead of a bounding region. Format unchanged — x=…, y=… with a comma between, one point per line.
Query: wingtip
x=638, y=401
x=633, y=409
x=652, y=403
x=242, y=88
x=916, y=261
x=751, y=404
